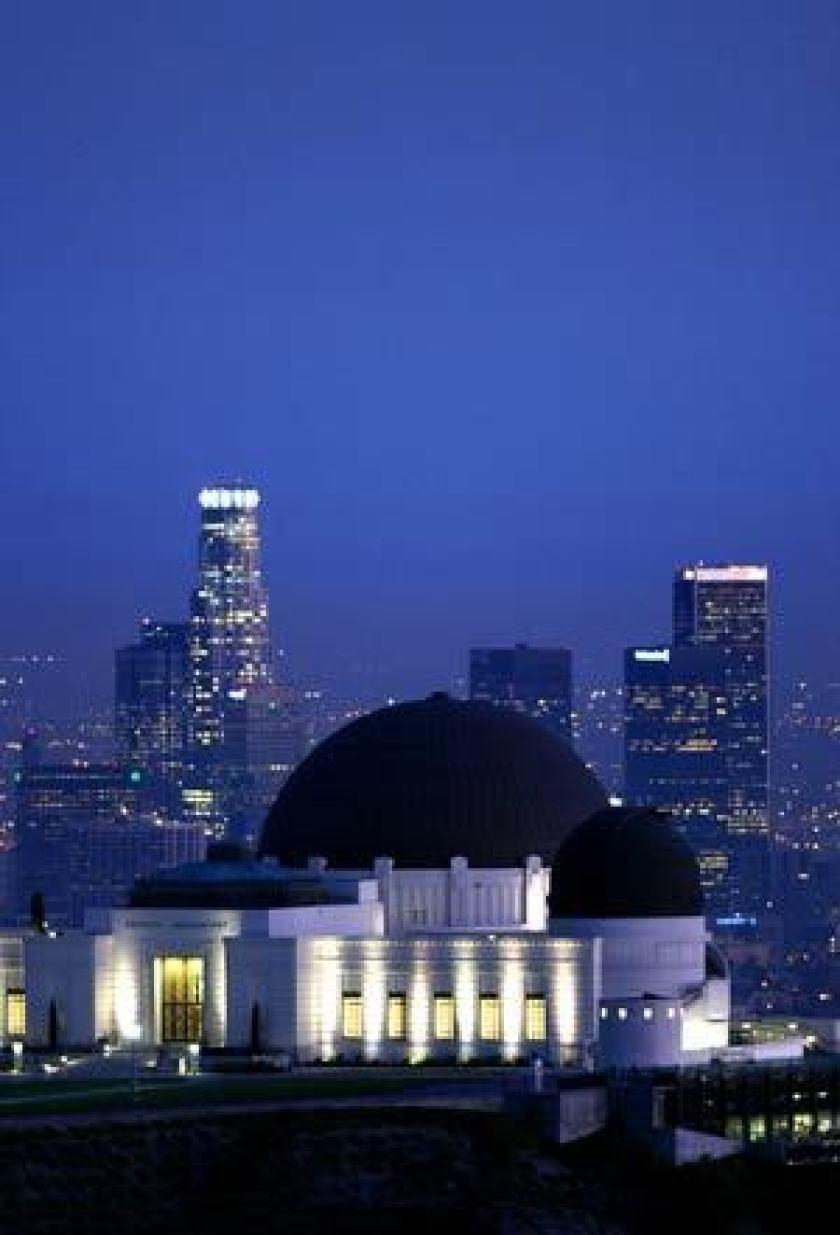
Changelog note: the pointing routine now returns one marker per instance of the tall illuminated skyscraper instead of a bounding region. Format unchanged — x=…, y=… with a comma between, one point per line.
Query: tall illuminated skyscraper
x=721, y=605
x=724, y=608
x=230, y=659
x=696, y=728
x=230, y=646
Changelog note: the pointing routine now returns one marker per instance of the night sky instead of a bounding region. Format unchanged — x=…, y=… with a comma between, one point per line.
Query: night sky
x=506, y=307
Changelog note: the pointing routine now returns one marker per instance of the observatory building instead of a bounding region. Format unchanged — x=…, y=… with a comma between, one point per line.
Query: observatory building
x=438, y=880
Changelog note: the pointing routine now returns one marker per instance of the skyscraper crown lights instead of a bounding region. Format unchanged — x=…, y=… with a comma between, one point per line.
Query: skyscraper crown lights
x=229, y=499
x=725, y=574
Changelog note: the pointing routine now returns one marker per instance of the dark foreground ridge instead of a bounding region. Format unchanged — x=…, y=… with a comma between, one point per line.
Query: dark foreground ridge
x=374, y=1170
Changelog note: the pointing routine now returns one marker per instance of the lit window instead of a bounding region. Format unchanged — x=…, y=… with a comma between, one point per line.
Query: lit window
x=351, y=1015
x=489, y=1018
x=444, y=1015
x=15, y=1013
x=622, y=1014
x=397, y=1019
x=536, y=1020
x=648, y=1014
x=604, y=1013
x=672, y=1012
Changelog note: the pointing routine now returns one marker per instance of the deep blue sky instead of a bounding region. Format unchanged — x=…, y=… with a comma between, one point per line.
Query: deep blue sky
x=507, y=307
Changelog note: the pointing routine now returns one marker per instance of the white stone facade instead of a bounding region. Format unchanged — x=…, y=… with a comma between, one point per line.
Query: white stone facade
x=457, y=996
x=402, y=965
x=657, y=1000
x=459, y=897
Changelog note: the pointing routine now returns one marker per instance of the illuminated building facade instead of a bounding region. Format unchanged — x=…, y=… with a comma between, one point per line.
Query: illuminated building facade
x=151, y=709
x=724, y=608
x=676, y=729
x=82, y=838
x=534, y=681
x=231, y=684
x=598, y=732
x=485, y=954
x=242, y=954
x=696, y=729
x=56, y=806
x=675, y=741
x=28, y=682
x=320, y=981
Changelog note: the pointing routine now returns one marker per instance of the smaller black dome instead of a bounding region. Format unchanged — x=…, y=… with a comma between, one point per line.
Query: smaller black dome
x=625, y=862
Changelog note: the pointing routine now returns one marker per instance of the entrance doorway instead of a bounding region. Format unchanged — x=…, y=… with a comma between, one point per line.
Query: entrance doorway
x=182, y=998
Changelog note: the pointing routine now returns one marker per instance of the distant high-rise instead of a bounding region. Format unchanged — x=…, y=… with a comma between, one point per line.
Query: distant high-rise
x=721, y=605
x=536, y=681
x=232, y=695
x=675, y=750
x=151, y=707
x=230, y=646
x=82, y=839
x=696, y=728
x=725, y=608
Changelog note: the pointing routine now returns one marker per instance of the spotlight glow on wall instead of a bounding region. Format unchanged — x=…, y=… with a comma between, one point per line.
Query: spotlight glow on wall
x=466, y=994
x=328, y=984
x=418, y=1022
x=373, y=997
x=512, y=991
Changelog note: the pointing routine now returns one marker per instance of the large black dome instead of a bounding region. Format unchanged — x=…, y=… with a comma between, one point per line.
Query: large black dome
x=428, y=780
x=625, y=863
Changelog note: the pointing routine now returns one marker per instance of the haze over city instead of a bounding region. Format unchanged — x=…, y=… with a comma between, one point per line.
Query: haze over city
x=505, y=320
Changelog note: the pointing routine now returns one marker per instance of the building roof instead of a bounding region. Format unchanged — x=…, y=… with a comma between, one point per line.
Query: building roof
x=625, y=863
x=231, y=878
x=429, y=780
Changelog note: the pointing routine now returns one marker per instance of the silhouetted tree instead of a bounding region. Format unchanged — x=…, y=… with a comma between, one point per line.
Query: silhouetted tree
x=38, y=912
x=256, y=1029
x=52, y=1026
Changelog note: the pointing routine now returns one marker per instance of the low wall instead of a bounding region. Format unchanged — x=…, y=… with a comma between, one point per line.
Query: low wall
x=563, y=1115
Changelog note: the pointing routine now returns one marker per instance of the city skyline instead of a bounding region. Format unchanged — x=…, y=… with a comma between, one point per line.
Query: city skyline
x=495, y=337
x=375, y=680
x=375, y=667
x=419, y=657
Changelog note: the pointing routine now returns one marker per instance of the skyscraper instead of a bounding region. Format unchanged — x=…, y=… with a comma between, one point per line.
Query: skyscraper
x=696, y=728
x=721, y=605
x=725, y=608
x=82, y=837
x=56, y=805
x=151, y=708
x=229, y=635
x=231, y=681
x=675, y=742
x=536, y=681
